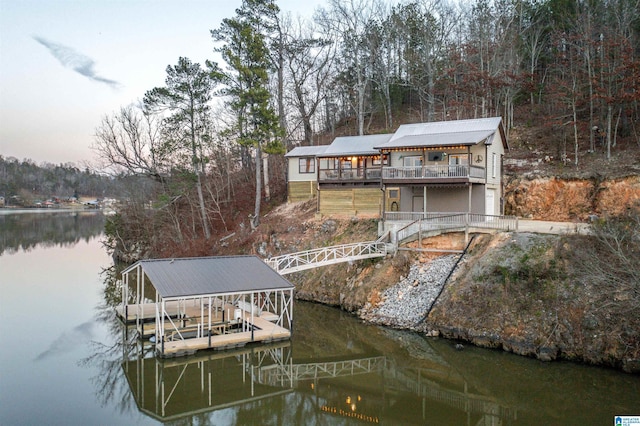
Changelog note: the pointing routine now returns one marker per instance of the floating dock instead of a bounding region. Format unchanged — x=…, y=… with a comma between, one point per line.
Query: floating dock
x=206, y=303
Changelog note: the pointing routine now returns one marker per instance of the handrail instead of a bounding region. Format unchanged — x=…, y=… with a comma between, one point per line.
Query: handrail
x=309, y=259
x=437, y=171
x=457, y=221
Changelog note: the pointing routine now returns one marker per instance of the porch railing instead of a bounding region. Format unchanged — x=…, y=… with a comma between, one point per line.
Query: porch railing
x=413, y=216
x=350, y=174
x=433, y=172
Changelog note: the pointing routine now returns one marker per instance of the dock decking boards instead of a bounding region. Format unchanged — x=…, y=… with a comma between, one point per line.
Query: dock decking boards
x=263, y=331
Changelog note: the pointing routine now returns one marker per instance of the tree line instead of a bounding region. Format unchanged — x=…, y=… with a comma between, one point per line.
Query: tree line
x=23, y=182
x=215, y=132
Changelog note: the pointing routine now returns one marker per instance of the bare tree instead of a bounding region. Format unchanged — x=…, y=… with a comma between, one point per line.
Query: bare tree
x=129, y=141
x=308, y=59
x=346, y=23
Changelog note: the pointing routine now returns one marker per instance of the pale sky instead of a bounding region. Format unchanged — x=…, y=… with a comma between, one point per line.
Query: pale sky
x=66, y=64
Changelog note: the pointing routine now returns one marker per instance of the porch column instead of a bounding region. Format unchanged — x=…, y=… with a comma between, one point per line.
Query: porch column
x=424, y=201
x=470, y=193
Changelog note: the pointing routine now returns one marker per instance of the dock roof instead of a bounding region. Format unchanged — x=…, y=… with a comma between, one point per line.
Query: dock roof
x=194, y=276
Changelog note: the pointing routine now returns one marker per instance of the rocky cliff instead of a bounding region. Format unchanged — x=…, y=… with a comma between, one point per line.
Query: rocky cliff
x=569, y=199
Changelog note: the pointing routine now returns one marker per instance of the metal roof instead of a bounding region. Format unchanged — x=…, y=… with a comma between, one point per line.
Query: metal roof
x=356, y=145
x=306, y=151
x=210, y=275
x=445, y=133
x=445, y=139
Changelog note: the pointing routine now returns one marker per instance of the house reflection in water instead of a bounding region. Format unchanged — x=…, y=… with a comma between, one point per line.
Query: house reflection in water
x=264, y=380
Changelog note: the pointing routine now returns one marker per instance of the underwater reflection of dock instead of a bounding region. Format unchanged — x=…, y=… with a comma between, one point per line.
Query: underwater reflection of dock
x=169, y=389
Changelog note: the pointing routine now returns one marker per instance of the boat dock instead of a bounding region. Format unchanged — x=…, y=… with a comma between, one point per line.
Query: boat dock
x=207, y=303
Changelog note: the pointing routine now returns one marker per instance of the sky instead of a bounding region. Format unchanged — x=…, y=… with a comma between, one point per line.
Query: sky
x=65, y=65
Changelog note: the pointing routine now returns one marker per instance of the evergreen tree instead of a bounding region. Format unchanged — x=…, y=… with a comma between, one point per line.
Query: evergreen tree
x=246, y=77
x=186, y=99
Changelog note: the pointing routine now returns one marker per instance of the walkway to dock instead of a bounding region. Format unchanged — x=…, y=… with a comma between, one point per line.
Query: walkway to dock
x=401, y=229
x=309, y=259
x=437, y=223
x=432, y=224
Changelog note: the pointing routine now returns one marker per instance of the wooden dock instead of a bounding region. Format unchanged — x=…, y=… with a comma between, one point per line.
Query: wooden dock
x=224, y=335
x=185, y=333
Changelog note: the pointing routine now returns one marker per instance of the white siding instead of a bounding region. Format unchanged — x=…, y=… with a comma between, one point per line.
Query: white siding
x=294, y=171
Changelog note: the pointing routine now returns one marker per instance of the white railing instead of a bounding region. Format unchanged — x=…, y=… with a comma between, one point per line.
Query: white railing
x=462, y=221
x=272, y=375
x=314, y=258
x=433, y=172
x=413, y=216
x=373, y=173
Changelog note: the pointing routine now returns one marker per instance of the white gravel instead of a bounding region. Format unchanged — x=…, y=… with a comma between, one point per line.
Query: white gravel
x=405, y=304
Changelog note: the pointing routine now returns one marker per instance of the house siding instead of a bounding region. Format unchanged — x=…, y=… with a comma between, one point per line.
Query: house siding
x=294, y=174
x=351, y=201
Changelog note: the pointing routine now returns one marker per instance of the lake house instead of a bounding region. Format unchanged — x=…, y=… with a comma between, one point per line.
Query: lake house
x=446, y=166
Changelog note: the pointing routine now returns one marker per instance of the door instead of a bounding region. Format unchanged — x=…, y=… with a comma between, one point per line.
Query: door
x=458, y=165
x=490, y=201
x=412, y=166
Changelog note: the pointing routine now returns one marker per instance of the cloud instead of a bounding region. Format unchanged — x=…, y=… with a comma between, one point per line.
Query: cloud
x=70, y=58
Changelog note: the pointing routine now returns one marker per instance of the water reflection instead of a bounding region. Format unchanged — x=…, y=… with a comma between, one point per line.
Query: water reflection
x=170, y=389
x=337, y=370
x=27, y=230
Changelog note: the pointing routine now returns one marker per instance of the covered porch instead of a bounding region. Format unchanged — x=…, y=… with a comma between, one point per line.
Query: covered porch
x=355, y=169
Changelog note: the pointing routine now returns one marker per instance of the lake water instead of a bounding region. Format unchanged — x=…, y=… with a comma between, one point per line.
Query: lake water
x=66, y=360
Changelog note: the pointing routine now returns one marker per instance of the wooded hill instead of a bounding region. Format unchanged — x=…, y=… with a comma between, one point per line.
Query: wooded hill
x=565, y=74
x=24, y=182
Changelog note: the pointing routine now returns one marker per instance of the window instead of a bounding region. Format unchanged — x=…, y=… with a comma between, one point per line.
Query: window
x=307, y=165
x=328, y=163
x=413, y=161
x=458, y=159
x=376, y=160
x=494, y=159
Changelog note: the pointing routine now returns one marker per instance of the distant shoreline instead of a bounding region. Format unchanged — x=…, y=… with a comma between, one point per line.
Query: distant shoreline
x=11, y=210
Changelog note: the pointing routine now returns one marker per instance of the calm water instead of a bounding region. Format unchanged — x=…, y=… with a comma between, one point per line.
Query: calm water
x=65, y=360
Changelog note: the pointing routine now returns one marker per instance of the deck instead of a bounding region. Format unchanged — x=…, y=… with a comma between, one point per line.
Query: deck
x=185, y=321
x=224, y=333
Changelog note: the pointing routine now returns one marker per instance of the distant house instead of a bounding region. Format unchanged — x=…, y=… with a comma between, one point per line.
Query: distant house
x=447, y=166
